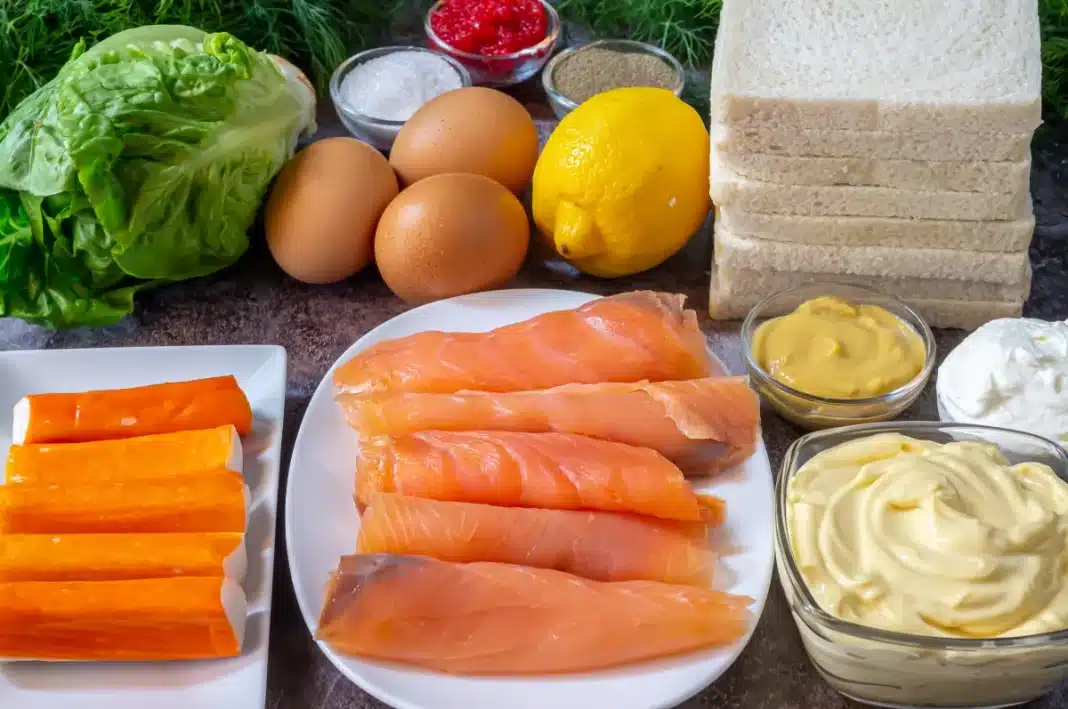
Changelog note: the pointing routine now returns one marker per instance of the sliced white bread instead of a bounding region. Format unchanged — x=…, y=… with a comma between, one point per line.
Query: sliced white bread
x=946, y=175
x=734, y=293
x=892, y=145
x=730, y=189
x=890, y=65
x=1009, y=269
x=1012, y=235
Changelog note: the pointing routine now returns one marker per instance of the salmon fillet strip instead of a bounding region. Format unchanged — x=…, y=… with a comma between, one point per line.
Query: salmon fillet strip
x=605, y=546
x=487, y=618
x=550, y=470
x=700, y=424
x=629, y=337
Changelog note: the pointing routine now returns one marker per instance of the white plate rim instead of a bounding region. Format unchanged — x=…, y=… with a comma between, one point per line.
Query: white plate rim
x=310, y=617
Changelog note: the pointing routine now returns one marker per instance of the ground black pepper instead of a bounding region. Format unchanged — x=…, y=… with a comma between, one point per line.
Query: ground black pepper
x=591, y=71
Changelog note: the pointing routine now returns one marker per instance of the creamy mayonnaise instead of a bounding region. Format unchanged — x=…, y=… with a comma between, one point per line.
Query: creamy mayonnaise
x=919, y=537
x=1012, y=373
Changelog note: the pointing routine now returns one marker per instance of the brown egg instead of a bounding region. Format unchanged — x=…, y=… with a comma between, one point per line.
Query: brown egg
x=475, y=130
x=324, y=207
x=451, y=234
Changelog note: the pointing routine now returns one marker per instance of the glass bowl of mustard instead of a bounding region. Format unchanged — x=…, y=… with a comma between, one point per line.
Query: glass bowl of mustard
x=832, y=354
x=970, y=569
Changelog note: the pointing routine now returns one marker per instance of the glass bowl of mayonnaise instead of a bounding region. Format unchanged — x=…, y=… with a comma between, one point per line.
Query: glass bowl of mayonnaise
x=926, y=563
x=832, y=354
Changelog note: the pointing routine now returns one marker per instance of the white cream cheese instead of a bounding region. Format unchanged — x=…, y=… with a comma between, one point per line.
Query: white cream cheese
x=1012, y=373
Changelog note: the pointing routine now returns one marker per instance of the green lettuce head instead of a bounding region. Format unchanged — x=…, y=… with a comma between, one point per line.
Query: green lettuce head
x=144, y=161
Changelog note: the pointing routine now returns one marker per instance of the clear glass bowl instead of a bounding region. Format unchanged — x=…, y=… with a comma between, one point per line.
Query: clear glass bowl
x=507, y=69
x=377, y=131
x=815, y=412
x=904, y=670
x=562, y=105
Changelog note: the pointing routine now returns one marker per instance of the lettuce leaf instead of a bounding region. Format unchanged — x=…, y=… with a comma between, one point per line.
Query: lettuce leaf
x=144, y=161
x=65, y=278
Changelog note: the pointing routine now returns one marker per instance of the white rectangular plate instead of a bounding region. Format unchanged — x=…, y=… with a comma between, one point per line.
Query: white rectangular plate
x=235, y=683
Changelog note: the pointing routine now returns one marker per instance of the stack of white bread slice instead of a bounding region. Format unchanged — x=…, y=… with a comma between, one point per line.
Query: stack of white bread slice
x=877, y=142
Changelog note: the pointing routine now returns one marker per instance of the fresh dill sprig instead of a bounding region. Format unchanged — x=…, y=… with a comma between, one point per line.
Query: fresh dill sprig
x=1053, y=17
x=686, y=28
x=37, y=36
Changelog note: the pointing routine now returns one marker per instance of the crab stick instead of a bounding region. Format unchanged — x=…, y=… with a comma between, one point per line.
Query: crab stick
x=149, y=619
x=160, y=456
x=206, y=502
x=124, y=413
x=117, y=557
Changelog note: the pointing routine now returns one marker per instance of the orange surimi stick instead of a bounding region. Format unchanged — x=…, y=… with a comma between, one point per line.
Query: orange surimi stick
x=160, y=456
x=124, y=413
x=151, y=619
x=209, y=502
x=117, y=557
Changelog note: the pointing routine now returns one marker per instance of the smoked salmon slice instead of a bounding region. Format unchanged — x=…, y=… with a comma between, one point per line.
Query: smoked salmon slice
x=116, y=557
x=124, y=413
x=145, y=457
x=207, y=502
x=700, y=424
x=623, y=338
x=604, y=546
x=150, y=619
x=487, y=618
x=550, y=470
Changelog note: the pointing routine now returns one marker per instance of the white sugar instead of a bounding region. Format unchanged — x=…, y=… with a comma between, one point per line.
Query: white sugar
x=392, y=87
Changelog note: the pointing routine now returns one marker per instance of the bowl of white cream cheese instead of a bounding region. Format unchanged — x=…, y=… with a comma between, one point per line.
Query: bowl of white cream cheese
x=1011, y=373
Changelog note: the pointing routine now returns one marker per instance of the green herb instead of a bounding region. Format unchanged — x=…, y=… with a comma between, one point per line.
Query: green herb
x=37, y=37
x=686, y=28
x=1053, y=15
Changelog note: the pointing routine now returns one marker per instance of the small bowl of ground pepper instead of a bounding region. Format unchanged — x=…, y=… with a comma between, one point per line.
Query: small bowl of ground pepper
x=578, y=73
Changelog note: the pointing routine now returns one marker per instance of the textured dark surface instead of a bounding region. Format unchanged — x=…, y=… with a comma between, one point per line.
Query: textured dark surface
x=255, y=303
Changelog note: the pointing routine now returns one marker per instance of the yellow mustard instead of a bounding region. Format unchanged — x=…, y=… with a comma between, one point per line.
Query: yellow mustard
x=919, y=537
x=830, y=348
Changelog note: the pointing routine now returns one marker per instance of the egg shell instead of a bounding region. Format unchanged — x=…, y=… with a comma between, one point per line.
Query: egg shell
x=451, y=234
x=324, y=208
x=474, y=130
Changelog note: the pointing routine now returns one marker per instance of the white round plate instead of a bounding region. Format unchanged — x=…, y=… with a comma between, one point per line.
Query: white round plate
x=321, y=526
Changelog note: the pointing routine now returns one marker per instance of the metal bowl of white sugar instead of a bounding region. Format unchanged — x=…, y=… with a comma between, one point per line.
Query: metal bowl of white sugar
x=375, y=92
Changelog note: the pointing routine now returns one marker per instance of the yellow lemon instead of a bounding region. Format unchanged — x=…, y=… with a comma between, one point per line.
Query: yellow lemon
x=622, y=183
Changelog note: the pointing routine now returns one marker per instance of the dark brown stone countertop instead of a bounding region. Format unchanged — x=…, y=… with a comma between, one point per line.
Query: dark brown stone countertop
x=254, y=303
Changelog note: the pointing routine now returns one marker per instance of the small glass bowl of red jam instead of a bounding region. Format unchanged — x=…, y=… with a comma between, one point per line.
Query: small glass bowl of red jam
x=499, y=42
